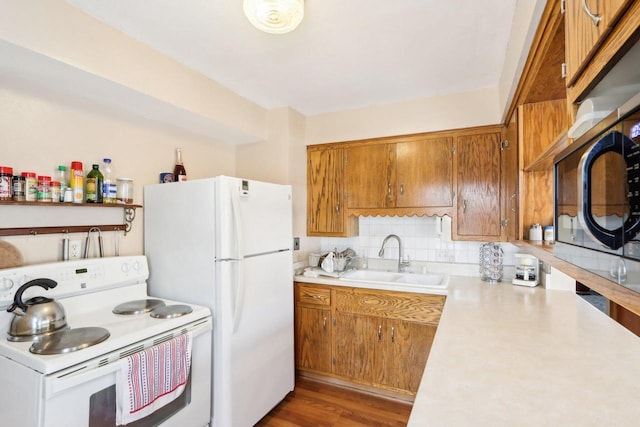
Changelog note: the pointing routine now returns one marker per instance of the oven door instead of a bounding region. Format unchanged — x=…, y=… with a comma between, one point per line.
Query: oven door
x=85, y=395
x=608, y=186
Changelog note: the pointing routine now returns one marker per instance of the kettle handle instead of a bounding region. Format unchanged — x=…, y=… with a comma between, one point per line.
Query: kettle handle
x=17, y=300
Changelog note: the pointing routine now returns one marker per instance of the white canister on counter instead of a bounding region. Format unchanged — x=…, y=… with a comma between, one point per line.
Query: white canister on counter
x=535, y=233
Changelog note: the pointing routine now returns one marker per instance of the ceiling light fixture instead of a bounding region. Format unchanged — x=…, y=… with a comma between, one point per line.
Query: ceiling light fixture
x=274, y=16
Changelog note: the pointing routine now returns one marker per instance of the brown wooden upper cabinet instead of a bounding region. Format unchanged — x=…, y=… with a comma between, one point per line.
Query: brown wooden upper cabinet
x=478, y=186
x=326, y=213
x=453, y=172
x=424, y=174
x=368, y=175
x=414, y=173
x=587, y=23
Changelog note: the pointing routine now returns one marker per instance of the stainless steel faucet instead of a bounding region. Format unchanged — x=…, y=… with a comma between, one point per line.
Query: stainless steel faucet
x=401, y=264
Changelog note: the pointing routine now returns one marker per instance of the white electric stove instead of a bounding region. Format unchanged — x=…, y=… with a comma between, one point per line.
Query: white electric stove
x=76, y=387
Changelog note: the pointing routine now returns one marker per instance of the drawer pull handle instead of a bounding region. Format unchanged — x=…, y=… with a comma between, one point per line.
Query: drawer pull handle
x=316, y=296
x=379, y=332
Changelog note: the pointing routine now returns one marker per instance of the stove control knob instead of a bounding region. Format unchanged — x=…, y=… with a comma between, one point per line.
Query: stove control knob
x=136, y=265
x=125, y=267
x=6, y=284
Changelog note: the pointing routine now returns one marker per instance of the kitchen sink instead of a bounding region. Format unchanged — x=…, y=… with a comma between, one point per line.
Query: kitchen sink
x=429, y=280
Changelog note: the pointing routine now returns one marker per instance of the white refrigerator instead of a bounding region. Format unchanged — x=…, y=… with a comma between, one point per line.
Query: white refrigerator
x=226, y=243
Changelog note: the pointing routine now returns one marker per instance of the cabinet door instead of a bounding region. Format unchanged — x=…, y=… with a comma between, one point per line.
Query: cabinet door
x=409, y=346
x=369, y=175
x=583, y=35
x=355, y=343
x=478, y=186
x=509, y=177
x=313, y=339
x=424, y=173
x=325, y=210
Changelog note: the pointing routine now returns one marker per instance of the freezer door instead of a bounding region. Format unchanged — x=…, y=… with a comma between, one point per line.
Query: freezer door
x=253, y=338
x=254, y=217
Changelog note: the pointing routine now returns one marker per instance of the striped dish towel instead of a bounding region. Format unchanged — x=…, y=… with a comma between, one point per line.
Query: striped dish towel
x=152, y=378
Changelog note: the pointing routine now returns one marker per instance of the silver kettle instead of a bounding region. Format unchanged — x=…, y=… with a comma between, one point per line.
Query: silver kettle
x=36, y=317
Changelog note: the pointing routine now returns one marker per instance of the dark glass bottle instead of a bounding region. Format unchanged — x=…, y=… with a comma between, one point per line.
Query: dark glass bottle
x=179, y=172
x=93, y=192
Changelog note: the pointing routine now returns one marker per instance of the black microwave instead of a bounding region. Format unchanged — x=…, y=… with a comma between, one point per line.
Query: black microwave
x=597, y=198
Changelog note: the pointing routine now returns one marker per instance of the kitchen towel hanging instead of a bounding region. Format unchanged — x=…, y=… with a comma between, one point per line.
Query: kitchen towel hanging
x=152, y=378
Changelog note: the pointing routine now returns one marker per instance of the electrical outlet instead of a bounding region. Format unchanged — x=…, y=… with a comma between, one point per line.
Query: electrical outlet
x=75, y=249
x=296, y=243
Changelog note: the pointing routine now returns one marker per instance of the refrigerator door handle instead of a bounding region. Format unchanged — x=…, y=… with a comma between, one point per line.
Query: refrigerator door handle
x=237, y=222
x=239, y=296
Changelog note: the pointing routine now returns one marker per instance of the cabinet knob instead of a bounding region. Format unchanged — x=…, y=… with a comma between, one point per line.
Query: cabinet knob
x=324, y=322
x=401, y=189
x=379, y=332
x=393, y=334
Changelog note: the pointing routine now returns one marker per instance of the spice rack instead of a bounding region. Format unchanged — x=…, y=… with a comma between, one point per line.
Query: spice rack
x=129, y=214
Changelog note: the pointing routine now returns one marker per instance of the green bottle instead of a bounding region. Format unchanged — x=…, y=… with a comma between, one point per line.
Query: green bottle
x=94, y=185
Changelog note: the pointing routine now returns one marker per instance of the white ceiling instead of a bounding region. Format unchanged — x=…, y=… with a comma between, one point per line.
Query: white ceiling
x=346, y=53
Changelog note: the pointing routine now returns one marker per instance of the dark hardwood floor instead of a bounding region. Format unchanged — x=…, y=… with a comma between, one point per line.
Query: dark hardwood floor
x=314, y=404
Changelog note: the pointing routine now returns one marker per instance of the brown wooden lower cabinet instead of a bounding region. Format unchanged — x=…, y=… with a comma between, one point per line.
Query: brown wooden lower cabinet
x=377, y=339
x=313, y=339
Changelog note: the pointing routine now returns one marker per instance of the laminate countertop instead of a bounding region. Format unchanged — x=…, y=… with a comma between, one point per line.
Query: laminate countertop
x=507, y=355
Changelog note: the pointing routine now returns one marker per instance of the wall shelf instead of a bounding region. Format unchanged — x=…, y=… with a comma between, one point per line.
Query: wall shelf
x=129, y=212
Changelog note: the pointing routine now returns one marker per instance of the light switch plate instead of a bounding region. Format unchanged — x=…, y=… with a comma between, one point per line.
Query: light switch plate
x=296, y=243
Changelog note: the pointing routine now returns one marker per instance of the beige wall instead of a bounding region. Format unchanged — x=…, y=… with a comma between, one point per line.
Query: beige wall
x=525, y=22
x=452, y=111
x=62, y=33
x=37, y=133
x=282, y=159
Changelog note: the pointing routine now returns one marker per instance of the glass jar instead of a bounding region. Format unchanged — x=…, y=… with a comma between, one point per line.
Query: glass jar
x=31, y=186
x=55, y=191
x=124, y=191
x=6, y=175
x=19, y=188
x=44, y=189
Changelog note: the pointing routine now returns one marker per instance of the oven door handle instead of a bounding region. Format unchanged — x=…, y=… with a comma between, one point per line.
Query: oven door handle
x=94, y=370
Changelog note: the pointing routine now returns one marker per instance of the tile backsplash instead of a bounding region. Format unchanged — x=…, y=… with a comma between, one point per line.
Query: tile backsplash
x=421, y=241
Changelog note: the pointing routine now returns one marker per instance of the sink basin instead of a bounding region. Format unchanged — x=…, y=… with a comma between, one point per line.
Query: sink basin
x=429, y=280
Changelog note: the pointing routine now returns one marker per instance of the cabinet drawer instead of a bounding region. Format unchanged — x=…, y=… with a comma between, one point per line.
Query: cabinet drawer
x=393, y=305
x=313, y=295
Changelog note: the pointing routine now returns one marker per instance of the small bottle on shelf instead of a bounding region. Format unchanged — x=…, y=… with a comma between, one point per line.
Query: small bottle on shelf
x=76, y=178
x=179, y=172
x=109, y=185
x=94, y=185
x=62, y=177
